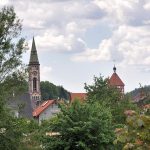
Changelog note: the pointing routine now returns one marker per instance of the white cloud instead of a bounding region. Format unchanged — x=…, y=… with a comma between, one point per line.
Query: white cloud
x=102, y=53
x=59, y=43
x=147, y=5
x=84, y=10
x=51, y=13
x=45, y=73
x=3, y=2
x=58, y=25
x=74, y=28
x=128, y=45
x=61, y=25
x=65, y=26
x=131, y=12
x=129, y=42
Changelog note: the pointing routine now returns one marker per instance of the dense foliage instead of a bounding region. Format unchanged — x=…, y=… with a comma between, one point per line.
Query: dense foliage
x=80, y=126
x=88, y=125
x=51, y=91
x=101, y=91
x=110, y=97
x=12, y=71
x=11, y=47
x=11, y=76
x=135, y=134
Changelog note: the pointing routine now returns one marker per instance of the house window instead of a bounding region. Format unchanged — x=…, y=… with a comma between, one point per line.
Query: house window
x=34, y=84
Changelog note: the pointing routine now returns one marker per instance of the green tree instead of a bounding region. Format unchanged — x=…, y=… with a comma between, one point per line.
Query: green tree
x=135, y=134
x=51, y=91
x=100, y=91
x=11, y=46
x=64, y=94
x=10, y=133
x=48, y=90
x=79, y=126
x=118, y=109
x=15, y=133
x=109, y=96
x=11, y=75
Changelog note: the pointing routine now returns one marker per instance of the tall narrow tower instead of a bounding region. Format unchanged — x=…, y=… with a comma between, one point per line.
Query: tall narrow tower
x=34, y=77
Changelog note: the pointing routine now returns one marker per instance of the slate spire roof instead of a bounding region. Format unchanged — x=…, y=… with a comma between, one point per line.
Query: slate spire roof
x=33, y=56
x=115, y=79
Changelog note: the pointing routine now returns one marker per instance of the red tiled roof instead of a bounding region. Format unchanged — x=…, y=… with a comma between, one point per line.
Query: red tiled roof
x=42, y=107
x=80, y=96
x=115, y=80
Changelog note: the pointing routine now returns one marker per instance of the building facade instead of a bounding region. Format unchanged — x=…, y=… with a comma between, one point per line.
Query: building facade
x=46, y=110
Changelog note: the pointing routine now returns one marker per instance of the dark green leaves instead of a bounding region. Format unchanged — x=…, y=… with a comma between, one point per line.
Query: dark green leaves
x=11, y=47
x=81, y=126
x=51, y=91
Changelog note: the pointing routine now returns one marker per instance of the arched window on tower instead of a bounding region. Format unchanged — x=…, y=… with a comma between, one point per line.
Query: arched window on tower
x=34, y=84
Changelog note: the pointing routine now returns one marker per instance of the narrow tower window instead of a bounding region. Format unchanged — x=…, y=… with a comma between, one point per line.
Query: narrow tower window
x=34, y=84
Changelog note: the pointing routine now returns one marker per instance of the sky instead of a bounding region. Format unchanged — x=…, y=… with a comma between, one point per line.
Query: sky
x=79, y=39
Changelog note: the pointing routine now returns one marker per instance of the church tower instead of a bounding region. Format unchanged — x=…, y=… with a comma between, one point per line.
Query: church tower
x=34, y=77
x=116, y=82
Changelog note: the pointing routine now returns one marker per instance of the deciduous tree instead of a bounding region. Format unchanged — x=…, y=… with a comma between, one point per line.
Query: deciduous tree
x=11, y=75
x=80, y=126
x=135, y=134
x=100, y=91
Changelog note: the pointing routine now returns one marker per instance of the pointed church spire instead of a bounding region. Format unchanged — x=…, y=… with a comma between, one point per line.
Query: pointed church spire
x=34, y=77
x=33, y=55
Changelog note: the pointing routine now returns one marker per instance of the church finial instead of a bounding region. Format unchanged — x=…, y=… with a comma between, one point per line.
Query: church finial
x=114, y=68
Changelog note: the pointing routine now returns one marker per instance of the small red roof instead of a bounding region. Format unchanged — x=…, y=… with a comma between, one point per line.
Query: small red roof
x=42, y=107
x=115, y=80
x=80, y=96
